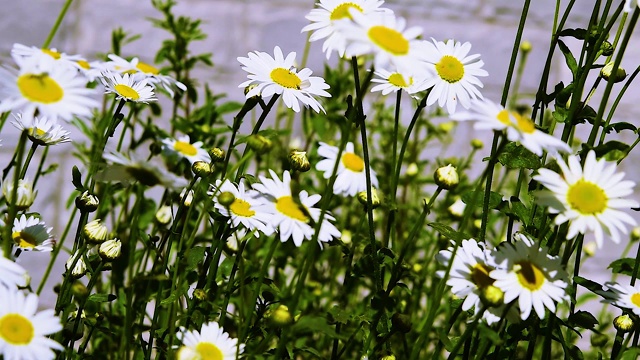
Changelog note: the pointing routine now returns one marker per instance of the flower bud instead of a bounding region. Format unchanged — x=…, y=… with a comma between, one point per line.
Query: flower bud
x=163, y=215
x=201, y=168
x=110, y=249
x=446, y=127
x=346, y=237
x=375, y=200
x=78, y=289
x=477, y=144
x=188, y=199
x=446, y=177
x=457, y=208
x=200, y=294
x=635, y=233
x=606, y=48
x=525, y=47
x=412, y=170
x=95, y=231
x=259, y=144
x=492, y=296
x=217, y=155
x=24, y=194
x=623, y=323
x=280, y=316
x=388, y=357
x=87, y=202
x=590, y=248
x=607, y=70
x=299, y=161
x=226, y=198
x=80, y=267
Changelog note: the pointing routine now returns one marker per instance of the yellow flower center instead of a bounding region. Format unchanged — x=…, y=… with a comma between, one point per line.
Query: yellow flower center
x=209, y=351
x=24, y=240
x=127, y=91
x=586, y=197
x=524, y=124
x=241, y=208
x=185, y=148
x=83, y=64
x=286, y=78
x=16, y=329
x=40, y=88
x=503, y=117
x=147, y=69
x=530, y=276
x=389, y=40
x=397, y=79
x=480, y=275
x=288, y=207
x=54, y=54
x=342, y=11
x=635, y=299
x=450, y=69
x=353, y=162
x=37, y=132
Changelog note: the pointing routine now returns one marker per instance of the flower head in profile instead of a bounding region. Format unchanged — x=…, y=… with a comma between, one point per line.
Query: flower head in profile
x=526, y=272
x=42, y=130
x=245, y=210
x=590, y=197
x=34, y=52
x=455, y=74
x=23, y=331
x=13, y=275
x=328, y=13
x=130, y=168
x=211, y=342
x=624, y=296
x=45, y=88
x=143, y=70
x=276, y=75
x=351, y=177
x=30, y=233
x=291, y=218
x=127, y=87
x=183, y=148
x=25, y=196
x=396, y=81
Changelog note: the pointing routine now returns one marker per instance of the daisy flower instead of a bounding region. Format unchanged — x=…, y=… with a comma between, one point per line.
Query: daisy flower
x=41, y=130
x=146, y=71
x=397, y=81
x=13, y=275
x=526, y=272
x=288, y=217
x=45, y=87
x=278, y=76
x=456, y=73
x=590, y=197
x=127, y=87
x=211, y=342
x=183, y=148
x=245, y=210
x=492, y=116
x=25, y=195
x=127, y=168
x=351, y=178
x=328, y=13
x=385, y=36
x=624, y=296
x=46, y=54
x=23, y=331
x=30, y=233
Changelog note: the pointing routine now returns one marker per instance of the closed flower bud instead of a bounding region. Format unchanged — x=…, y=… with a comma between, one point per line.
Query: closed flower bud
x=226, y=198
x=164, y=215
x=457, y=208
x=635, y=233
x=259, y=144
x=188, y=199
x=24, y=194
x=95, y=231
x=525, y=47
x=200, y=294
x=78, y=289
x=492, y=296
x=446, y=177
x=280, y=316
x=201, y=168
x=299, y=161
x=412, y=170
x=375, y=200
x=623, y=323
x=477, y=144
x=80, y=267
x=590, y=248
x=217, y=155
x=446, y=127
x=87, y=202
x=607, y=71
x=346, y=237
x=606, y=48
x=110, y=249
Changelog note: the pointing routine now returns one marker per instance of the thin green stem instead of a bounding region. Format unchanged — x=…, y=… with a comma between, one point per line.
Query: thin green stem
x=56, y=25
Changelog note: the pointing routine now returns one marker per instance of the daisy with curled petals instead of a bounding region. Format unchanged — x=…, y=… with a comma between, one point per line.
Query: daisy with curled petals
x=211, y=342
x=590, y=197
x=396, y=81
x=386, y=37
x=30, y=233
x=492, y=116
x=13, y=275
x=351, y=177
x=46, y=54
x=289, y=218
x=183, y=148
x=526, y=272
x=455, y=73
x=41, y=130
x=278, y=76
x=45, y=87
x=23, y=331
x=130, y=168
x=328, y=13
x=127, y=87
x=624, y=296
x=245, y=209
x=144, y=70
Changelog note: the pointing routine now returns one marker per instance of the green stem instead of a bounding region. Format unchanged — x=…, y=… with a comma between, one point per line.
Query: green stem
x=514, y=52
x=32, y=150
x=56, y=25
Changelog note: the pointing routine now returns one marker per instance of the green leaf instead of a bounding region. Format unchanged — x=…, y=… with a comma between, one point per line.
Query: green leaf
x=569, y=59
x=76, y=178
x=101, y=297
x=580, y=34
x=338, y=315
x=614, y=147
x=518, y=210
x=631, y=353
x=488, y=333
x=516, y=156
x=194, y=256
x=583, y=320
x=449, y=232
x=315, y=325
x=227, y=107
x=620, y=126
x=622, y=266
x=495, y=199
x=587, y=113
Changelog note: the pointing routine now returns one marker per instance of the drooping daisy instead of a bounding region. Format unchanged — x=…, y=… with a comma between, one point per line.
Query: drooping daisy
x=397, y=81
x=46, y=54
x=130, y=168
x=456, y=73
x=50, y=89
x=246, y=209
x=13, y=275
x=41, y=130
x=211, y=342
x=590, y=197
x=127, y=87
x=624, y=296
x=24, y=193
x=31, y=233
x=183, y=148
x=385, y=36
x=289, y=218
x=526, y=272
x=147, y=71
x=278, y=76
x=23, y=331
x=351, y=177
x=328, y=13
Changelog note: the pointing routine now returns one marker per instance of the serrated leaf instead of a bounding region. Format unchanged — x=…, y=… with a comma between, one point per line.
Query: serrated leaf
x=194, y=256
x=449, y=232
x=515, y=156
x=101, y=297
x=622, y=266
x=495, y=199
x=583, y=320
x=569, y=58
